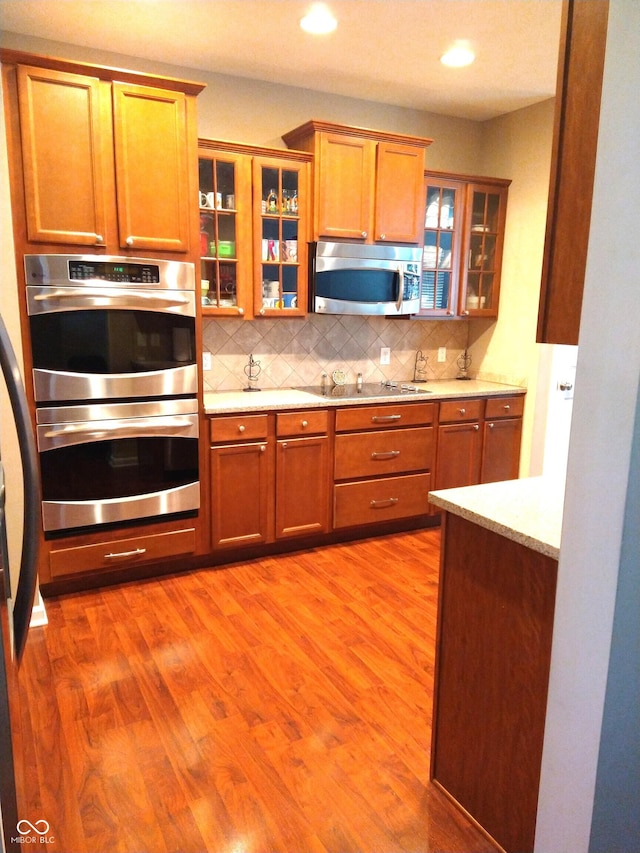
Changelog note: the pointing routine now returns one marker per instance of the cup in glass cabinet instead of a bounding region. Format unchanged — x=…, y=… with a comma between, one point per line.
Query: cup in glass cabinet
x=206, y=200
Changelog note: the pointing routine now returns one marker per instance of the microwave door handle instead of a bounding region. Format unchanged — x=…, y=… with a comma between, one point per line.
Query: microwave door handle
x=400, y=289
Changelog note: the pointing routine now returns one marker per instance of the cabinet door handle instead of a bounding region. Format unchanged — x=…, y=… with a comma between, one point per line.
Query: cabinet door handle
x=263, y=447
x=385, y=454
x=476, y=426
x=364, y=233
x=383, y=236
x=99, y=238
x=122, y=555
x=241, y=428
x=240, y=310
x=380, y=418
x=490, y=426
x=284, y=445
x=129, y=241
x=384, y=503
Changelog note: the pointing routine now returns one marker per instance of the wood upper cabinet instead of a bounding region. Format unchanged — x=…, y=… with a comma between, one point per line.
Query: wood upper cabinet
x=463, y=241
x=226, y=268
x=62, y=120
x=573, y=159
x=152, y=161
x=100, y=157
x=368, y=185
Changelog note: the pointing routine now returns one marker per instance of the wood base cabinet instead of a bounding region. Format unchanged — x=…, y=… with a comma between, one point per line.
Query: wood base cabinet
x=493, y=649
x=479, y=441
x=101, y=158
x=302, y=474
x=382, y=463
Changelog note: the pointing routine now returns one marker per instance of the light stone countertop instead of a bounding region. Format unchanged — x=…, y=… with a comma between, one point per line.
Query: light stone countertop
x=528, y=511
x=228, y=402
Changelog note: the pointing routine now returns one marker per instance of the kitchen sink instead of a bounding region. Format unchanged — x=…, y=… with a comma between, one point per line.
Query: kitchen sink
x=367, y=389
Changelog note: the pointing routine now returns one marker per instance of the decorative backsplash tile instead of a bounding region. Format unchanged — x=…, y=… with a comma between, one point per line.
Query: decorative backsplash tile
x=297, y=351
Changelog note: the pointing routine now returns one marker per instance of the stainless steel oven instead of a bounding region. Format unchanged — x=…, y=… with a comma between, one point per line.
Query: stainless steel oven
x=110, y=328
x=112, y=462
x=115, y=382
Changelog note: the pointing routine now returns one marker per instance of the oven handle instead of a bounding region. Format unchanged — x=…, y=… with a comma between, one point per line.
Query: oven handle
x=142, y=427
x=110, y=297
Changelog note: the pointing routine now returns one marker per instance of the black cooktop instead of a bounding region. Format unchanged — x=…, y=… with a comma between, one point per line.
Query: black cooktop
x=368, y=389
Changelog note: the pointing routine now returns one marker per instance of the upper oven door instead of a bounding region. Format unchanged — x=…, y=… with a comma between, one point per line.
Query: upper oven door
x=105, y=328
x=109, y=343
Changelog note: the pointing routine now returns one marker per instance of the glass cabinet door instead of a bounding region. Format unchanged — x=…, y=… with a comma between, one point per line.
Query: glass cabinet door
x=485, y=221
x=280, y=234
x=440, y=255
x=225, y=243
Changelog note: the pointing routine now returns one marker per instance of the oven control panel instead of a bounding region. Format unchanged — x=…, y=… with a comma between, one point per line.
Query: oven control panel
x=109, y=271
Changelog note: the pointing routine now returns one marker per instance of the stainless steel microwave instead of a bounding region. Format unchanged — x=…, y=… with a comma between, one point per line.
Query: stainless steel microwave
x=353, y=278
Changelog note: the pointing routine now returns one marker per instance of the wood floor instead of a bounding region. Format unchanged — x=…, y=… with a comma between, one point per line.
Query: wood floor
x=279, y=705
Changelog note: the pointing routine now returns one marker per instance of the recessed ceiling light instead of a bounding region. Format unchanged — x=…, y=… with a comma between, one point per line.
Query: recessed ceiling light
x=319, y=20
x=458, y=56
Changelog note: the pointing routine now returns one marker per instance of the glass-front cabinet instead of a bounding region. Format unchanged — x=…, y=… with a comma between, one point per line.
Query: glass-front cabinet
x=280, y=188
x=444, y=219
x=225, y=231
x=463, y=239
x=486, y=214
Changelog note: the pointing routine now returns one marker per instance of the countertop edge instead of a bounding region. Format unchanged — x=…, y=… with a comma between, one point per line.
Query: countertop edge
x=229, y=402
x=499, y=507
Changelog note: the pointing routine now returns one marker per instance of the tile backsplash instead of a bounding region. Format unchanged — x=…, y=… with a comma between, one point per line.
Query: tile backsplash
x=297, y=351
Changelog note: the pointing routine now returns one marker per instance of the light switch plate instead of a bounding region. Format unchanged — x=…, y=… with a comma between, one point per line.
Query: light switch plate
x=442, y=353
x=206, y=361
x=385, y=355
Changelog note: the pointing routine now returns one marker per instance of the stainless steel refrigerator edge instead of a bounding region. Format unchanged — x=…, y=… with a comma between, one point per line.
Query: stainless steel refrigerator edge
x=16, y=599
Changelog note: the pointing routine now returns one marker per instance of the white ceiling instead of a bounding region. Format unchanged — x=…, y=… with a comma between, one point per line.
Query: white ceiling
x=382, y=50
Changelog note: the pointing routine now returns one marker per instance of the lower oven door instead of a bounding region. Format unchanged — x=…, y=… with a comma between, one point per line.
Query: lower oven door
x=103, y=464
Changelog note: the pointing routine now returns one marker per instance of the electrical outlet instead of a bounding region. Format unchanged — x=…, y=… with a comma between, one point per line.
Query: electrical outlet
x=385, y=355
x=206, y=361
x=442, y=353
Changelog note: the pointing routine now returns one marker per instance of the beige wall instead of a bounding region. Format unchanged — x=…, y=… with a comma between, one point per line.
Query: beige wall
x=518, y=145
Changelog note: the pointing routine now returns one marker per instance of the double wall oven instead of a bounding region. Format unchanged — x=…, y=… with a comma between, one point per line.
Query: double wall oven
x=115, y=384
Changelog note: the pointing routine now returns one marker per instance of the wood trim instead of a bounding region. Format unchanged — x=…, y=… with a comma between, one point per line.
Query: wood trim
x=218, y=145
x=18, y=57
x=473, y=179
x=292, y=137
x=575, y=142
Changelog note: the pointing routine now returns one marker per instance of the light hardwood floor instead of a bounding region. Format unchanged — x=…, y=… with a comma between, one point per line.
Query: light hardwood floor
x=282, y=704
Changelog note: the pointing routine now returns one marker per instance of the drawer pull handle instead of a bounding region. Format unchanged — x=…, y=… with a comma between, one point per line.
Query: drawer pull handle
x=122, y=555
x=241, y=428
x=385, y=454
x=304, y=424
x=462, y=411
x=506, y=408
x=378, y=418
x=490, y=426
x=384, y=503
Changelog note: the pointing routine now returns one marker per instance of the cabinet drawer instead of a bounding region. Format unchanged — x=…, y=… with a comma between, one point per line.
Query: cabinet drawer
x=385, y=499
x=238, y=428
x=455, y=411
x=121, y=553
x=383, y=417
x=504, y=407
x=302, y=423
x=370, y=454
